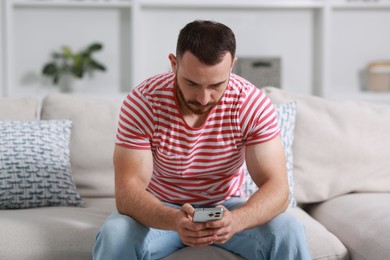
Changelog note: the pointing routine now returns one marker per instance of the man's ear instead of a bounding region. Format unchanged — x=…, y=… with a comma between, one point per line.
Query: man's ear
x=233, y=63
x=173, y=61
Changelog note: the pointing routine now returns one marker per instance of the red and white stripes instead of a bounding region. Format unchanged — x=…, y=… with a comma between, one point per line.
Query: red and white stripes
x=202, y=165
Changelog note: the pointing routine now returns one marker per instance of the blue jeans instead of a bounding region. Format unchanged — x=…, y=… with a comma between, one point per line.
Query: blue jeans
x=122, y=237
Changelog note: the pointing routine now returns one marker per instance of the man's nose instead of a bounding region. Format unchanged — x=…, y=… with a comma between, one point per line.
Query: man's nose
x=204, y=97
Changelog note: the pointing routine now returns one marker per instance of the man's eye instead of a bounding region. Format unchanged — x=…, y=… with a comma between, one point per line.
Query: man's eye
x=192, y=84
x=216, y=87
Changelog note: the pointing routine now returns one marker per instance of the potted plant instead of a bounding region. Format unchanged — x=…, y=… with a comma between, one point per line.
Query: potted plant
x=66, y=65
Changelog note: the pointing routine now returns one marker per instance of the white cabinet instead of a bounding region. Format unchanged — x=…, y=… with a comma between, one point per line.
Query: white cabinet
x=323, y=44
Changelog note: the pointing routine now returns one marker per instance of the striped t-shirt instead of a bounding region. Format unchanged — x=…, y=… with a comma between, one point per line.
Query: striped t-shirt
x=202, y=165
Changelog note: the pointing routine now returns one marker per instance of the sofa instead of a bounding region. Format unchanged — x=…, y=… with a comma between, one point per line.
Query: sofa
x=338, y=156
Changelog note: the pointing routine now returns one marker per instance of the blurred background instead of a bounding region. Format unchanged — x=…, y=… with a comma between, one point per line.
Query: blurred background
x=337, y=49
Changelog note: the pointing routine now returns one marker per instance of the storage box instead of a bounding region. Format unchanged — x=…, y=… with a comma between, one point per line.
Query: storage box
x=260, y=71
x=378, y=77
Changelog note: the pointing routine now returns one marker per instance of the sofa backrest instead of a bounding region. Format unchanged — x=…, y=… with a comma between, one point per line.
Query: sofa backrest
x=25, y=108
x=92, y=138
x=339, y=147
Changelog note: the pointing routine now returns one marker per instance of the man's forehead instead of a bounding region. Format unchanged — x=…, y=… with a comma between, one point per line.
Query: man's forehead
x=189, y=55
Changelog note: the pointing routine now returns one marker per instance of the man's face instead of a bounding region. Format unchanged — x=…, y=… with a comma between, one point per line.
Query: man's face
x=200, y=86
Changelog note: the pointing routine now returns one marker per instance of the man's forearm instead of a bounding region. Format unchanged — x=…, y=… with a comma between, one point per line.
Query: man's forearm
x=133, y=171
x=146, y=209
x=265, y=204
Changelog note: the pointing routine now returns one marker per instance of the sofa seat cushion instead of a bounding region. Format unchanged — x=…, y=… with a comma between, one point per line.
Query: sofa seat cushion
x=316, y=234
x=69, y=233
x=52, y=232
x=323, y=245
x=209, y=252
x=361, y=221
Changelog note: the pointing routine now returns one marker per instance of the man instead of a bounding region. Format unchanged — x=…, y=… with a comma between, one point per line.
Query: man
x=182, y=140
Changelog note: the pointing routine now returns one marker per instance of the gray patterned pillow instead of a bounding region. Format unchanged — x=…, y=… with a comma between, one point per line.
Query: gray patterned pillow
x=35, y=165
x=286, y=114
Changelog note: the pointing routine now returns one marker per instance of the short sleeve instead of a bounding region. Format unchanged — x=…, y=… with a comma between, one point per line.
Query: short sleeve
x=135, y=125
x=258, y=118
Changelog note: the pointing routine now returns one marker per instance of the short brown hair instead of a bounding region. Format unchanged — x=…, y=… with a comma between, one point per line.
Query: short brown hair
x=207, y=40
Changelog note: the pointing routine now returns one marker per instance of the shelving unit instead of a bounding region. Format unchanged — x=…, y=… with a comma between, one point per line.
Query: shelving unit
x=67, y=3
x=230, y=4
x=31, y=33
x=355, y=43
x=320, y=42
x=2, y=59
x=363, y=5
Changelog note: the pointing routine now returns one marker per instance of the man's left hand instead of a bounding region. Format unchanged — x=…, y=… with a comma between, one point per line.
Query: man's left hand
x=224, y=228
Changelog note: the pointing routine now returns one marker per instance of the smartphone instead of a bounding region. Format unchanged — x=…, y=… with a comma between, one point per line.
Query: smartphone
x=207, y=214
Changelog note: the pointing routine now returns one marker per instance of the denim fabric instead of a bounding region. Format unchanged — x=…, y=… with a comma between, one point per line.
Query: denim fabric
x=122, y=237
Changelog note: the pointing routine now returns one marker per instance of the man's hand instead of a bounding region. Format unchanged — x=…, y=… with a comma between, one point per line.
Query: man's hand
x=204, y=234
x=224, y=228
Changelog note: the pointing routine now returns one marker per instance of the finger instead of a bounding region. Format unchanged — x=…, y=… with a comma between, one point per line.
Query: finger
x=223, y=222
x=222, y=236
x=187, y=208
x=221, y=240
x=215, y=224
x=197, y=232
x=199, y=241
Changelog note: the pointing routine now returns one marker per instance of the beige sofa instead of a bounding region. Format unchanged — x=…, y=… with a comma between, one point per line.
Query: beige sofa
x=341, y=170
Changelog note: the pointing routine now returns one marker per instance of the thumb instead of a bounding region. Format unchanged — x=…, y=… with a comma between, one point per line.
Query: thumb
x=188, y=209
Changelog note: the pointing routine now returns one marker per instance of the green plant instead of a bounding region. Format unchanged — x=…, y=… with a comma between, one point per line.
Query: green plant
x=77, y=64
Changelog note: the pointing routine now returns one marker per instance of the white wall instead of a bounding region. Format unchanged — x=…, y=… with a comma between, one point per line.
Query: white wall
x=287, y=34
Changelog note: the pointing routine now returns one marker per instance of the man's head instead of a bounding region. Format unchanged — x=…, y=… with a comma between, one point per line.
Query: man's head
x=207, y=40
x=205, y=56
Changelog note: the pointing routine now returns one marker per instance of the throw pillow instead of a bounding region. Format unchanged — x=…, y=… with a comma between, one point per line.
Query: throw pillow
x=286, y=114
x=35, y=165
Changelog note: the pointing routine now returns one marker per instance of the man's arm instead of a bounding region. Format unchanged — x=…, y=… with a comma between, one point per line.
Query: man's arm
x=266, y=164
x=133, y=172
x=267, y=167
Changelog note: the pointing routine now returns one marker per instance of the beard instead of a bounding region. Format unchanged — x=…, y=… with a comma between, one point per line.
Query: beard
x=193, y=105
